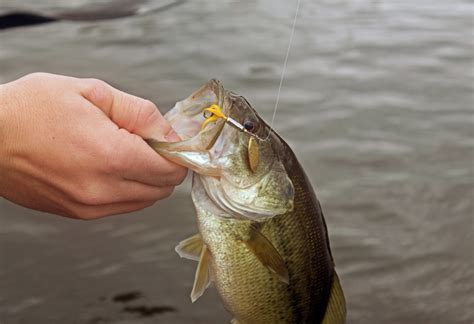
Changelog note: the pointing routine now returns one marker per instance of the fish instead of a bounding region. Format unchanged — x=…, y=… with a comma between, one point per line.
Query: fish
x=262, y=238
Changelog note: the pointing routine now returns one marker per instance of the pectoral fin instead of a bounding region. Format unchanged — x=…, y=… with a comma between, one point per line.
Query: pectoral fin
x=190, y=248
x=202, y=277
x=267, y=254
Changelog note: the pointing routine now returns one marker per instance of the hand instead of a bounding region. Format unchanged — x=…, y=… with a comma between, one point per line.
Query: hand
x=74, y=147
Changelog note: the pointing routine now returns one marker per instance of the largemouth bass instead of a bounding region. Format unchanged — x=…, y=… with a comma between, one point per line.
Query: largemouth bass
x=262, y=236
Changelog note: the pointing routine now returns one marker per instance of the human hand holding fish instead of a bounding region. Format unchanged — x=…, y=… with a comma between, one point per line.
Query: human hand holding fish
x=74, y=147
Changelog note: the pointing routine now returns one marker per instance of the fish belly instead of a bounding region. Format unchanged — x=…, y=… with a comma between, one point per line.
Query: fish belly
x=251, y=291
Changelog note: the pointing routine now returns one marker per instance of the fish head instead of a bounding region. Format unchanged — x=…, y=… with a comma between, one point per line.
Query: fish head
x=243, y=172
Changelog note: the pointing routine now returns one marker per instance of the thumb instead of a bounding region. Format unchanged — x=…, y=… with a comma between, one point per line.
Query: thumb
x=137, y=115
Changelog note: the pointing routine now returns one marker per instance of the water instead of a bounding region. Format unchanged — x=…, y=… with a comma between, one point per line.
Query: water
x=377, y=104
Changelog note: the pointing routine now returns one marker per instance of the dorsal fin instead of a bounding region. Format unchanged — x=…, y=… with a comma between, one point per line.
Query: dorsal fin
x=267, y=254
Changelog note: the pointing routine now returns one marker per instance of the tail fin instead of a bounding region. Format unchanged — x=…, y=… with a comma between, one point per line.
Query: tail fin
x=336, y=310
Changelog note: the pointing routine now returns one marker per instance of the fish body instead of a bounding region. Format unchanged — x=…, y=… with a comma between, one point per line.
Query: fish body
x=262, y=237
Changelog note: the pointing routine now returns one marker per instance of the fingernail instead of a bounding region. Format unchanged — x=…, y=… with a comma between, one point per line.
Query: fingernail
x=172, y=136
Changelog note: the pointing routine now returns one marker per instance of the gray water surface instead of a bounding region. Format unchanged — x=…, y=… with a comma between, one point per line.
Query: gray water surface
x=377, y=104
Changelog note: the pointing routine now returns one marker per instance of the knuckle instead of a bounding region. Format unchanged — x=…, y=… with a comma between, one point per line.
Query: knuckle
x=148, y=108
x=35, y=75
x=98, y=92
x=90, y=194
x=95, y=84
x=146, y=112
x=84, y=200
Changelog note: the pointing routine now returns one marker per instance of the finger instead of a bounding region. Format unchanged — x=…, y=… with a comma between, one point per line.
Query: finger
x=117, y=191
x=132, y=191
x=78, y=208
x=137, y=115
x=86, y=212
x=134, y=160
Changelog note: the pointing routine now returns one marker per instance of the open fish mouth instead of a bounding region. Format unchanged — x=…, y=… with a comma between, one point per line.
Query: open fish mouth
x=243, y=174
x=188, y=117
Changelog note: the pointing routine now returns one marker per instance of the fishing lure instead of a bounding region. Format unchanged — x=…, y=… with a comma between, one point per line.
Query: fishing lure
x=214, y=112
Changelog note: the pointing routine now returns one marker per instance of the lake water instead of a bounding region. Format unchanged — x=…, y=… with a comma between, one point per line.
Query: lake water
x=377, y=104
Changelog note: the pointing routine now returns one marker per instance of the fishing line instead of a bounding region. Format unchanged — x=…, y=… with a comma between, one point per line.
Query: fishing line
x=285, y=62
x=214, y=112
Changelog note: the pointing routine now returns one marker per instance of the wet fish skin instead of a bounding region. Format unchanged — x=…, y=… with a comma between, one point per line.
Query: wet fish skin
x=269, y=269
x=249, y=290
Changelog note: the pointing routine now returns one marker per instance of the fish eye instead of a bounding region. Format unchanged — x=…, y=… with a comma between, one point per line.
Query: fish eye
x=248, y=125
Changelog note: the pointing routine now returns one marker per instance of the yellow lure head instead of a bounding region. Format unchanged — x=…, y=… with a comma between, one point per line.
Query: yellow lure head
x=216, y=113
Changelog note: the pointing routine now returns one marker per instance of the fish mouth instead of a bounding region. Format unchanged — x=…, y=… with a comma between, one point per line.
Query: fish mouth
x=220, y=156
x=187, y=119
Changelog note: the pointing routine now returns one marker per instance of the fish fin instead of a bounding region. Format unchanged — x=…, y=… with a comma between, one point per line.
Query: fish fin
x=267, y=254
x=336, y=309
x=202, y=277
x=234, y=321
x=190, y=248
